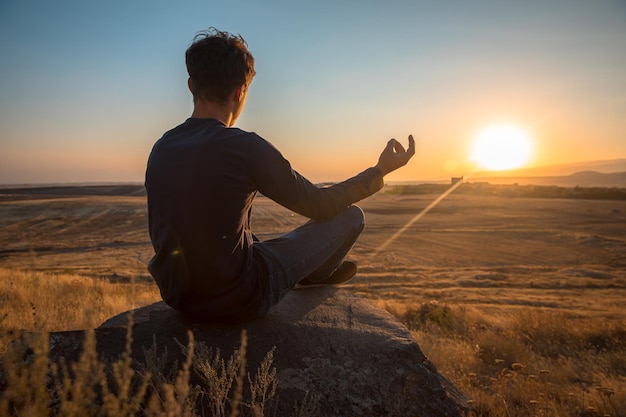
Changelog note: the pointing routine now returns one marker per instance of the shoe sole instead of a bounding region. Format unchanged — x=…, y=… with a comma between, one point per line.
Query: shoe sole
x=346, y=271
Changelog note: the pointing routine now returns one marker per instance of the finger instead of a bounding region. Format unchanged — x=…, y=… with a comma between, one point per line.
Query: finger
x=398, y=147
x=411, y=149
x=391, y=145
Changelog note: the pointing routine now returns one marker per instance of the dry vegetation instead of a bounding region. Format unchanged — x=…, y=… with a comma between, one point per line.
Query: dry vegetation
x=520, y=302
x=154, y=387
x=531, y=362
x=34, y=301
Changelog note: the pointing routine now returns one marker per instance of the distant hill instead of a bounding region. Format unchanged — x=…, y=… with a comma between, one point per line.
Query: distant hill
x=604, y=167
x=578, y=179
x=608, y=173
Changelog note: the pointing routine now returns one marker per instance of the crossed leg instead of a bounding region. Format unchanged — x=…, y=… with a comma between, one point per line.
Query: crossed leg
x=313, y=252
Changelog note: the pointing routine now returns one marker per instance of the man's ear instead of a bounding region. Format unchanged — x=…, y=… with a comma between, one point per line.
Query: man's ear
x=190, y=85
x=239, y=93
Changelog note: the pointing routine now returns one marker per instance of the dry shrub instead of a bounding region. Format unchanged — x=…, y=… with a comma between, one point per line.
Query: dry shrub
x=175, y=397
x=24, y=382
x=498, y=349
x=435, y=317
x=32, y=386
x=263, y=387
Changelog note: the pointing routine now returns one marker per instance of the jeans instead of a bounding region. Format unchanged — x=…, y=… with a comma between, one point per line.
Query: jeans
x=313, y=250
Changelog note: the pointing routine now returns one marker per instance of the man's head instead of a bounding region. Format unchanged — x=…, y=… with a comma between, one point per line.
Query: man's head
x=218, y=63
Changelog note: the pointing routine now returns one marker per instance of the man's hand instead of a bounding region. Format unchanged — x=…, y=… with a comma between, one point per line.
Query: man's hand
x=394, y=156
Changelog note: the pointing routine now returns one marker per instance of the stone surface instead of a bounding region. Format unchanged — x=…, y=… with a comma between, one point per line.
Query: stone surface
x=354, y=358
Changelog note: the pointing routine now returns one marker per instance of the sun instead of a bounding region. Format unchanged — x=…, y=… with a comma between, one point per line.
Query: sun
x=501, y=146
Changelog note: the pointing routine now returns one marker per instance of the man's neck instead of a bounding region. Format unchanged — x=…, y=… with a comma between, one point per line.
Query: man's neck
x=203, y=109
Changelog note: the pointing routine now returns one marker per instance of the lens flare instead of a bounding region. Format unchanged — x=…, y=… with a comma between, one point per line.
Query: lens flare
x=417, y=217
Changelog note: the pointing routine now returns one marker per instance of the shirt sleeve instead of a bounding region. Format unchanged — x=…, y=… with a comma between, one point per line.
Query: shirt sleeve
x=274, y=177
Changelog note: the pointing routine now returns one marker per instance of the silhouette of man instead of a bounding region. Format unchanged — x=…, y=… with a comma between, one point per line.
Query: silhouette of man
x=201, y=180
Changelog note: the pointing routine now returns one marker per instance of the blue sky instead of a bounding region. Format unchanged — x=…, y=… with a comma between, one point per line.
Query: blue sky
x=87, y=87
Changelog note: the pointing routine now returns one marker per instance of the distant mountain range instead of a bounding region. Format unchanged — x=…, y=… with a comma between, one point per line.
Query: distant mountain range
x=608, y=173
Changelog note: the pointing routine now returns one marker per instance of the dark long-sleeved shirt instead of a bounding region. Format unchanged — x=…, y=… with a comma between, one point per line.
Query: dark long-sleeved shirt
x=201, y=181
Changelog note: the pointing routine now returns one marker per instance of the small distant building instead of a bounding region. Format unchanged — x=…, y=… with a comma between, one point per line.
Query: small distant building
x=455, y=180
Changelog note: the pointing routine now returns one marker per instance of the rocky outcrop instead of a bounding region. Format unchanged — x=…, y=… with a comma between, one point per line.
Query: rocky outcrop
x=354, y=359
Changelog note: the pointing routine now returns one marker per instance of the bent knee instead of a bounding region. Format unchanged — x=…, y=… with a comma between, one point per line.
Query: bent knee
x=356, y=215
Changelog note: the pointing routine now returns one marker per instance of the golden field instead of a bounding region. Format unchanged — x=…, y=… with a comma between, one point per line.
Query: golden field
x=519, y=301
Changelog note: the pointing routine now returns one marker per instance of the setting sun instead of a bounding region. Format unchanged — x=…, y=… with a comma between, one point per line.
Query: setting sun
x=501, y=146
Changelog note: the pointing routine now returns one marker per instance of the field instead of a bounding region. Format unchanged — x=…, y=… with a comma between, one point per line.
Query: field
x=519, y=301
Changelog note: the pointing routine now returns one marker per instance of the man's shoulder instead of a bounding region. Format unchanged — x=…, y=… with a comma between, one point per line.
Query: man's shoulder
x=252, y=139
x=197, y=131
x=193, y=136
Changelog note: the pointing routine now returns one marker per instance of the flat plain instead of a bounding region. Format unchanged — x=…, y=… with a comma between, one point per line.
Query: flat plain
x=519, y=301
x=493, y=253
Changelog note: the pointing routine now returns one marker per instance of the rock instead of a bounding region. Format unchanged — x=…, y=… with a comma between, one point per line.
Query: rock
x=353, y=358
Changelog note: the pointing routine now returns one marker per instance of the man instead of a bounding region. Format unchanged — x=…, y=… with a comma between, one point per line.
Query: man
x=201, y=180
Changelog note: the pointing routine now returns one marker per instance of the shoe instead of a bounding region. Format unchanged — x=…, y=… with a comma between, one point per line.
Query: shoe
x=343, y=273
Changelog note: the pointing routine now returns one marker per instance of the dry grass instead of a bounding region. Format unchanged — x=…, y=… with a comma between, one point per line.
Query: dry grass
x=32, y=386
x=51, y=302
x=529, y=362
x=533, y=362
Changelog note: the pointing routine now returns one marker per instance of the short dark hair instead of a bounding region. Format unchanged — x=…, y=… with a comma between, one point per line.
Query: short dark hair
x=218, y=63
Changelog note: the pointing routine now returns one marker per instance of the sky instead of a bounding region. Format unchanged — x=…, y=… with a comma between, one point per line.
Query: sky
x=87, y=87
